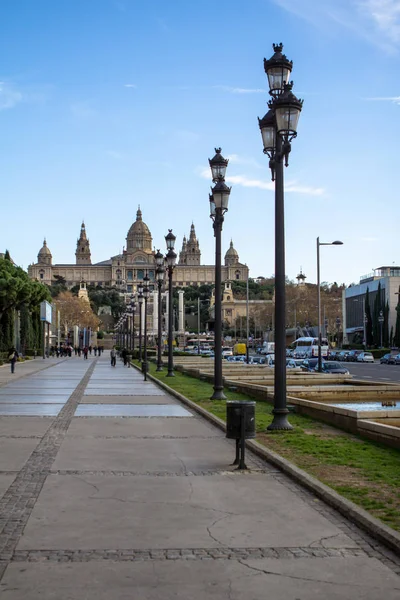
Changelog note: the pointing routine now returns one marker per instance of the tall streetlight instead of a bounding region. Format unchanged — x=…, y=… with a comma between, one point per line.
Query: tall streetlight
x=278, y=128
x=160, y=273
x=146, y=293
x=171, y=260
x=133, y=309
x=219, y=199
x=381, y=319
x=335, y=243
x=140, y=301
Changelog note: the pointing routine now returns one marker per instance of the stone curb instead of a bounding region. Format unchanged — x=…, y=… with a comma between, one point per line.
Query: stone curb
x=378, y=530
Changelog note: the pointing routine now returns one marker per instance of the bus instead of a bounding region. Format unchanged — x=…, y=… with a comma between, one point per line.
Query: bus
x=307, y=347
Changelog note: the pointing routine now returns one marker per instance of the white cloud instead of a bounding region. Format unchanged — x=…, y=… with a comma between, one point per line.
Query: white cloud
x=238, y=90
x=9, y=96
x=130, y=85
x=244, y=181
x=394, y=99
x=377, y=21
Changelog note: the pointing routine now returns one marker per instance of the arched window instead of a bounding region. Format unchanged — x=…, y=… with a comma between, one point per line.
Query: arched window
x=41, y=274
x=237, y=274
x=140, y=274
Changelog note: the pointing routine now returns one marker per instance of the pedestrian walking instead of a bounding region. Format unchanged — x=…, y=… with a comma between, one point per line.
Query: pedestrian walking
x=95, y=350
x=12, y=357
x=113, y=355
x=79, y=352
x=90, y=350
x=85, y=352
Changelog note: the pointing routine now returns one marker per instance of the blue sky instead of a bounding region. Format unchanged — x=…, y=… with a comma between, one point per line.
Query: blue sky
x=107, y=104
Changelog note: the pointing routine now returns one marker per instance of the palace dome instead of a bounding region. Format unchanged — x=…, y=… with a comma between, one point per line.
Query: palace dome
x=139, y=236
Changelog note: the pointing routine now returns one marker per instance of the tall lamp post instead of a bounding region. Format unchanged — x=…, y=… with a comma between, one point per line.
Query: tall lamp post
x=381, y=319
x=133, y=309
x=146, y=293
x=278, y=128
x=219, y=199
x=160, y=273
x=140, y=301
x=171, y=260
x=336, y=243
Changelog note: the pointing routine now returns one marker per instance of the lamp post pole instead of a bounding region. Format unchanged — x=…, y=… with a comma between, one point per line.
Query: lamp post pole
x=140, y=301
x=171, y=259
x=278, y=128
x=198, y=325
x=133, y=308
x=381, y=319
x=335, y=243
x=160, y=273
x=219, y=199
x=146, y=293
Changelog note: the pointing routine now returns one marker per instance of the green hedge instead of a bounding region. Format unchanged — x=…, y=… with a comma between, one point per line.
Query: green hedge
x=378, y=353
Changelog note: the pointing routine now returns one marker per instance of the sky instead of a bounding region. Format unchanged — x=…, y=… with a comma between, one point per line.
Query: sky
x=110, y=104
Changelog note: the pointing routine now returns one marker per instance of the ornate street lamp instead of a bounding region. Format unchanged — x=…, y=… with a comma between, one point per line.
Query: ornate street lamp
x=278, y=128
x=335, y=243
x=140, y=301
x=381, y=319
x=133, y=309
x=160, y=274
x=219, y=200
x=171, y=260
x=146, y=293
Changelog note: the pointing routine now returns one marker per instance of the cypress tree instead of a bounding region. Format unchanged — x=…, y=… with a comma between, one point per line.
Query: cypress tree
x=396, y=339
x=368, y=327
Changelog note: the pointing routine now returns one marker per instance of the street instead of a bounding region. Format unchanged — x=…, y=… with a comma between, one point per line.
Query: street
x=374, y=371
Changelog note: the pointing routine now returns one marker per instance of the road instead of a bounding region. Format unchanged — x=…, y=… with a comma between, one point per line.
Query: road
x=374, y=371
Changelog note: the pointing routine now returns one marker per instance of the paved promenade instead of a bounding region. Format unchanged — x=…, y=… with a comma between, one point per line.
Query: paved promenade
x=110, y=489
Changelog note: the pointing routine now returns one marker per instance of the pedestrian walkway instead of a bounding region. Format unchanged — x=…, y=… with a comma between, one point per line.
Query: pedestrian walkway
x=123, y=493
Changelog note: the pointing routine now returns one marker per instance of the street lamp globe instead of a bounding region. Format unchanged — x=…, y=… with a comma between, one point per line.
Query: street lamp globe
x=212, y=206
x=287, y=111
x=220, y=193
x=268, y=132
x=140, y=289
x=337, y=243
x=159, y=258
x=160, y=273
x=171, y=258
x=170, y=240
x=278, y=69
x=218, y=166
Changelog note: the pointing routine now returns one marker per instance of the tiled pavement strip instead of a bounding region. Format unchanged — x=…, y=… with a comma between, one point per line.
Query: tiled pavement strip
x=20, y=499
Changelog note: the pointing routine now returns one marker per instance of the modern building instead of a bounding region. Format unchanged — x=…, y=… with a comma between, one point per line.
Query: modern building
x=353, y=300
x=124, y=271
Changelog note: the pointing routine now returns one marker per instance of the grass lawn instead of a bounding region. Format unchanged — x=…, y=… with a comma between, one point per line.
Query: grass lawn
x=363, y=471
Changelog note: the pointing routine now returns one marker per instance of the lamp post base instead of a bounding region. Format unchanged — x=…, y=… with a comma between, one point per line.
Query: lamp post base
x=280, y=421
x=170, y=374
x=218, y=394
x=159, y=368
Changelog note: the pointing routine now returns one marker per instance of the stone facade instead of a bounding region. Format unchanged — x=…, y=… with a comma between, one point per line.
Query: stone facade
x=125, y=270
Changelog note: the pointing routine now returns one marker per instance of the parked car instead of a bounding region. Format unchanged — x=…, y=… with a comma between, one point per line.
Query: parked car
x=293, y=363
x=397, y=359
x=333, y=367
x=309, y=364
x=226, y=352
x=342, y=355
x=352, y=355
x=365, y=357
x=333, y=354
x=257, y=360
x=388, y=359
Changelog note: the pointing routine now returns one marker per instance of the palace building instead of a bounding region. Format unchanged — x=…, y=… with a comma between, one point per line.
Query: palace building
x=124, y=271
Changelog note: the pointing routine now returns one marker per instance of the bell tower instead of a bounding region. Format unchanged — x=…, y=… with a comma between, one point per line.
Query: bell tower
x=83, y=256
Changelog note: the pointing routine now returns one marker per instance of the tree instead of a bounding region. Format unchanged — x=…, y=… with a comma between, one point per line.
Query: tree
x=17, y=289
x=370, y=340
x=396, y=339
x=75, y=311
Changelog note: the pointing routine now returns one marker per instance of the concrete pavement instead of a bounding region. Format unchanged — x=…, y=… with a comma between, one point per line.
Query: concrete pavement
x=121, y=492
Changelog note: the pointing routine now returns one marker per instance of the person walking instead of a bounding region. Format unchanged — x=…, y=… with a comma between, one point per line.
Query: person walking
x=85, y=352
x=113, y=355
x=13, y=359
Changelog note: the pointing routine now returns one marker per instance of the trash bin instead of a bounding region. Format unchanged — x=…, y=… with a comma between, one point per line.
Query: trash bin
x=233, y=419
